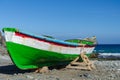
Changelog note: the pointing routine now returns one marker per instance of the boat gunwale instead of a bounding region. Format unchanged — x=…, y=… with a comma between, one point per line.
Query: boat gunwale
x=53, y=41
x=46, y=39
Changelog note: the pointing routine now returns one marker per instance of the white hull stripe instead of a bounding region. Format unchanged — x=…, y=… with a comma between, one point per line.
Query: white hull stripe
x=11, y=37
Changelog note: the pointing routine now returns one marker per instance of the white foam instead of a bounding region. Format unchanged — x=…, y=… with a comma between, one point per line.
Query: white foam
x=114, y=54
x=109, y=55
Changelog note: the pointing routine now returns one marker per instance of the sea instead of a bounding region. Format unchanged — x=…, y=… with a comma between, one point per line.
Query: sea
x=108, y=50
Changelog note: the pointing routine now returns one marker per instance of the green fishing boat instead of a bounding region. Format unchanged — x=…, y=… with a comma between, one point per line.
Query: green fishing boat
x=29, y=51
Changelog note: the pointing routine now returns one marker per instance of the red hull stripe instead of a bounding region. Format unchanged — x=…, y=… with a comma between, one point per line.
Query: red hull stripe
x=40, y=39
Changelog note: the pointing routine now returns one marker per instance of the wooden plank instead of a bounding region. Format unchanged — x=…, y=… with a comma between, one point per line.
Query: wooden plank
x=86, y=64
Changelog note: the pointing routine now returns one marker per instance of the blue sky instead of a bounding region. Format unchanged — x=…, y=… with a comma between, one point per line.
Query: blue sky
x=64, y=19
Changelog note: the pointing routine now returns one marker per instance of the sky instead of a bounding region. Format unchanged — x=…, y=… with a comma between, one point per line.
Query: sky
x=64, y=19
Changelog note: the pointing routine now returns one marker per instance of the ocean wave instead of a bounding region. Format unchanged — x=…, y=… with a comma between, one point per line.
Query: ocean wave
x=109, y=55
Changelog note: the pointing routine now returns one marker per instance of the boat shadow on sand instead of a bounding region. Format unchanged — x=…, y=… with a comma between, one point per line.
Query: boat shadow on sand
x=12, y=69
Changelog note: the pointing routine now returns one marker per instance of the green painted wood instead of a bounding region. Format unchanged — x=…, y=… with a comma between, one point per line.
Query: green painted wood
x=80, y=41
x=10, y=29
x=25, y=57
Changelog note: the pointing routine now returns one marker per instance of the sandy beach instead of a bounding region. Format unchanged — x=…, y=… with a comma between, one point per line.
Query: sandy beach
x=105, y=70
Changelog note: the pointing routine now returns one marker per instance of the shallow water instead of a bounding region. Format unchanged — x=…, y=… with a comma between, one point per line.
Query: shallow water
x=108, y=50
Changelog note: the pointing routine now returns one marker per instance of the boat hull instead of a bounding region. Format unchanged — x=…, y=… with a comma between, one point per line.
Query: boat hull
x=29, y=52
x=26, y=57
